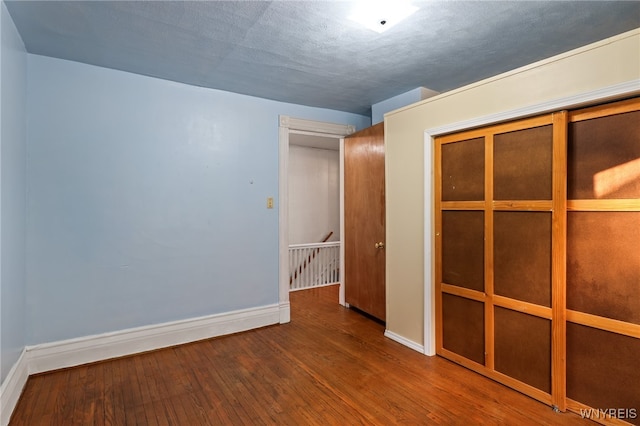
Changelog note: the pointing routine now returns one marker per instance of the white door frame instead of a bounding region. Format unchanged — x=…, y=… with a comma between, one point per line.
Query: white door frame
x=287, y=124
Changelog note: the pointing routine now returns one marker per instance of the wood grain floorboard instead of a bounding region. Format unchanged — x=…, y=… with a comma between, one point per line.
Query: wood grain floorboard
x=329, y=366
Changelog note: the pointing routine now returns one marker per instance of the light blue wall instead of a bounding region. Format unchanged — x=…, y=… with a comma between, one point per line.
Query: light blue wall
x=147, y=199
x=13, y=69
x=411, y=97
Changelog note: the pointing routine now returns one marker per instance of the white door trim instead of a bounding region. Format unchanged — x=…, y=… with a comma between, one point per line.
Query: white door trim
x=341, y=298
x=287, y=125
x=604, y=94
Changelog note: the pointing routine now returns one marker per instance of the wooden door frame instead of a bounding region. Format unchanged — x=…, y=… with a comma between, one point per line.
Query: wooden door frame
x=617, y=91
x=319, y=128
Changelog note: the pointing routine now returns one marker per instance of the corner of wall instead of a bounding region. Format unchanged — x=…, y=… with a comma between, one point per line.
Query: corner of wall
x=412, y=96
x=12, y=194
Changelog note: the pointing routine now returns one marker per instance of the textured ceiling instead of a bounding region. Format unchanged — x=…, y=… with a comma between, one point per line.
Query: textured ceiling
x=309, y=52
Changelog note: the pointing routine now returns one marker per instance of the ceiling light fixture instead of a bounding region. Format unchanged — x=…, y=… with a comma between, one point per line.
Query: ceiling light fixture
x=379, y=16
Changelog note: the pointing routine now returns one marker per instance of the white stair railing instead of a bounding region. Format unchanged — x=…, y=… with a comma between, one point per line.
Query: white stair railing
x=314, y=265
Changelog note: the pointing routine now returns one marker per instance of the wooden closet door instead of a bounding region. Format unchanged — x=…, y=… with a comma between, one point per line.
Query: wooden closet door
x=603, y=260
x=538, y=257
x=364, y=221
x=500, y=206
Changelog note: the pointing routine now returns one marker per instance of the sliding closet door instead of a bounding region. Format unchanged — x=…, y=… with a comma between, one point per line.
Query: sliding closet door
x=603, y=260
x=500, y=221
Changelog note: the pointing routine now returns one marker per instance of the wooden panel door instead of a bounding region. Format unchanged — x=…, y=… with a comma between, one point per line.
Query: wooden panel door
x=500, y=208
x=603, y=260
x=364, y=221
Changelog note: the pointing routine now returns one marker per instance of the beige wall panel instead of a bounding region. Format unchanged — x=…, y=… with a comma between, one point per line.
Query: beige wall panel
x=405, y=164
x=599, y=65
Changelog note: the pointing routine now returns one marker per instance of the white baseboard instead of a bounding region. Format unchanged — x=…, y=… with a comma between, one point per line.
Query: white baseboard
x=12, y=387
x=83, y=350
x=285, y=312
x=404, y=341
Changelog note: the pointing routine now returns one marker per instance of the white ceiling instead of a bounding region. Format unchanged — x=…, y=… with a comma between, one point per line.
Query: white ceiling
x=309, y=52
x=314, y=141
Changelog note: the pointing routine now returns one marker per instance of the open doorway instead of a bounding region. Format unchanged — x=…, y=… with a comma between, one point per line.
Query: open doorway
x=314, y=188
x=312, y=135
x=314, y=210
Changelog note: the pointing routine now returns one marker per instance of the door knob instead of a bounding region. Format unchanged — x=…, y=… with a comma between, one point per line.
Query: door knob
x=379, y=245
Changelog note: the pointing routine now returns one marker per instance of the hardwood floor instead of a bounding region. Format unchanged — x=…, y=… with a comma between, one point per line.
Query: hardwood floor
x=330, y=365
